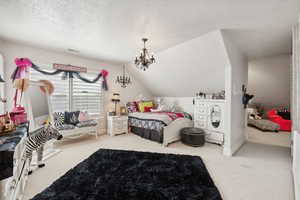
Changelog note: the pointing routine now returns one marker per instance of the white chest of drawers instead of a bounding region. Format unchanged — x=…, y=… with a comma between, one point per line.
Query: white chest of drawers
x=117, y=125
x=209, y=115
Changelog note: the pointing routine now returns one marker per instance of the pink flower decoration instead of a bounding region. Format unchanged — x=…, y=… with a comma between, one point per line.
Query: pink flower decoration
x=104, y=82
x=104, y=73
x=23, y=62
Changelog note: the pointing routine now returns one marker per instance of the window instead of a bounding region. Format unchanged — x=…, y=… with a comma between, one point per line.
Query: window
x=87, y=96
x=84, y=96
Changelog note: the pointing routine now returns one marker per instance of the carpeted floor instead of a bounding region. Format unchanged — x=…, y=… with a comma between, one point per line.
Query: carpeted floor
x=281, y=138
x=256, y=172
x=115, y=174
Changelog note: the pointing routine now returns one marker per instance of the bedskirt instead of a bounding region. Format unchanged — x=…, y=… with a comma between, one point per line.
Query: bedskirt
x=149, y=134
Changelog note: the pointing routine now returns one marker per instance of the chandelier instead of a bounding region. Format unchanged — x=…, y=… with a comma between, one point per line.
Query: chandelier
x=123, y=80
x=144, y=60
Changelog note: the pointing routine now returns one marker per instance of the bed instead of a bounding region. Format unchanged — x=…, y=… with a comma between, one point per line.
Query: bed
x=161, y=127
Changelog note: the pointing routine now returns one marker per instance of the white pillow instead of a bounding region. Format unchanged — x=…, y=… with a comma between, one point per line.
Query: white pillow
x=155, y=110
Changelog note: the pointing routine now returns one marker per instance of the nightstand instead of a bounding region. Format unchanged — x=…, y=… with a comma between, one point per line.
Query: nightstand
x=101, y=125
x=117, y=124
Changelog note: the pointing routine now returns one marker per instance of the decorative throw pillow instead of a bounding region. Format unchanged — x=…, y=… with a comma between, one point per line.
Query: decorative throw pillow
x=58, y=119
x=285, y=115
x=164, y=107
x=132, y=107
x=144, y=104
x=148, y=109
x=83, y=116
x=87, y=123
x=72, y=117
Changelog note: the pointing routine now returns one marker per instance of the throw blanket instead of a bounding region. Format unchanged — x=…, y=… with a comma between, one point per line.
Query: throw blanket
x=155, y=120
x=8, y=146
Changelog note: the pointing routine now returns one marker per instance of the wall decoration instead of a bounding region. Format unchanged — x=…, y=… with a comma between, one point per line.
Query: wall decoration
x=24, y=63
x=144, y=59
x=246, y=97
x=69, y=68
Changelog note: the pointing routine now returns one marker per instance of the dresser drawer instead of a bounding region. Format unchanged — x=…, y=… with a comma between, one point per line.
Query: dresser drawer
x=200, y=104
x=118, y=126
x=200, y=124
x=200, y=117
x=201, y=110
x=125, y=124
x=214, y=137
x=122, y=118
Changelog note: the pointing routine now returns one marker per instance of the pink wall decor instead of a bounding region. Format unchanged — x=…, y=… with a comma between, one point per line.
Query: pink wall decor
x=69, y=68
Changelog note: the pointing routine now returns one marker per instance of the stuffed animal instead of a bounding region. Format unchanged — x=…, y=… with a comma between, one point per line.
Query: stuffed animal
x=255, y=116
x=36, y=141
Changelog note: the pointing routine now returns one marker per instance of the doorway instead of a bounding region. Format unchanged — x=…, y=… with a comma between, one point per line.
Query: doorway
x=268, y=114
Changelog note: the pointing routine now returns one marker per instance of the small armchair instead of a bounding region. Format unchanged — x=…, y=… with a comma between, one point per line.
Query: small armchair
x=285, y=125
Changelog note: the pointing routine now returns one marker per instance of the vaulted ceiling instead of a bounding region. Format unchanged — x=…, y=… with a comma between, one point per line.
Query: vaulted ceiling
x=112, y=30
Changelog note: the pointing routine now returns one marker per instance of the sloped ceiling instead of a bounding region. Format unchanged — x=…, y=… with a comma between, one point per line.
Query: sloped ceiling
x=190, y=57
x=190, y=67
x=112, y=30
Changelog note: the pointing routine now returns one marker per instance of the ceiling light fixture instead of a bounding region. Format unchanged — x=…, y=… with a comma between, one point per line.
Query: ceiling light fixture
x=123, y=80
x=144, y=59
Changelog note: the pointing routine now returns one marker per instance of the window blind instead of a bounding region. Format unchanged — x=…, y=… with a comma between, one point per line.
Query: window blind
x=85, y=96
x=60, y=97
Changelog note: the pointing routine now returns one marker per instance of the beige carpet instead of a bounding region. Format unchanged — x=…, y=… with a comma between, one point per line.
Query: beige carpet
x=281, y=138
x=257, y=172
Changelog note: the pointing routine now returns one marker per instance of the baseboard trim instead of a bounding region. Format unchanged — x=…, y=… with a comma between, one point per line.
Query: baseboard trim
x=227, y=151
x=296, y=185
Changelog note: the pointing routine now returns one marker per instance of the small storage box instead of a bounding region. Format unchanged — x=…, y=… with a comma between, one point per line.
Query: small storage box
x=193, y=136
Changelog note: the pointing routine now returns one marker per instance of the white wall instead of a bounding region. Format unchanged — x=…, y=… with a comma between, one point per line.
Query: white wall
x=193, y=66
x=296, y=162
x=232, y=74
x=2, y=89
x=183, y=103
x=235, y=76
x=269, y=80
x=2, y=94
x=295, y=88
x=11, y=50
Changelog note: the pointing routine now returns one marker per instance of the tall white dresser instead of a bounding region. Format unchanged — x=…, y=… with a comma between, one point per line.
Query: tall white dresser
x=209, y=115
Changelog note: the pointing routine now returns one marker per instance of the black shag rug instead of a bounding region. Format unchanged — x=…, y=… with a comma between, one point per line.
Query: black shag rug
x=121, y=175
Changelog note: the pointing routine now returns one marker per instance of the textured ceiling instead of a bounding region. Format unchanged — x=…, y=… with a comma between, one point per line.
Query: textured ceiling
x=111, y=29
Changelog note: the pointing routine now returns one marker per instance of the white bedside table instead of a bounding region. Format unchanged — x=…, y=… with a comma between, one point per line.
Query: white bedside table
x=117, y=124
x=101, y=125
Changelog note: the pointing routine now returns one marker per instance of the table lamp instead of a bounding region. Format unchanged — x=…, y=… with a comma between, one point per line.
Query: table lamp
x=115, y=98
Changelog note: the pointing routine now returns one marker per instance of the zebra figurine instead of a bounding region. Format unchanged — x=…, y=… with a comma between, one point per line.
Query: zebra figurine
x=36, y=140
